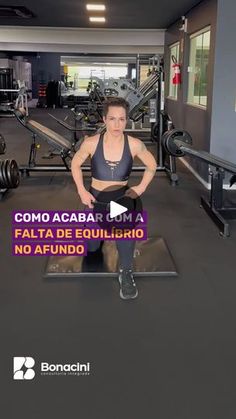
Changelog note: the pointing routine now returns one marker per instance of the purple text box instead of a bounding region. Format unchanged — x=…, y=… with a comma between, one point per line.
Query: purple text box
x=35, y=217
x=67, y=234
x=49, y=249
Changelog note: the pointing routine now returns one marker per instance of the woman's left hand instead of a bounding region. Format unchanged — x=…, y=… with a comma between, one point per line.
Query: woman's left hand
x=134, y=192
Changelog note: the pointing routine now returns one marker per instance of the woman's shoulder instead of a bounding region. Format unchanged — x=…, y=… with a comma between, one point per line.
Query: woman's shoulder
x=134, y=143
x=93, y=139
x=91, y=142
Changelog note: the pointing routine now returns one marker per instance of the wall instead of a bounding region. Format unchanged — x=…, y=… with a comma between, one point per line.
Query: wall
x=45, y=67
x=150, y=41
x=192, y=118
x=223, y=132
x=44, y=46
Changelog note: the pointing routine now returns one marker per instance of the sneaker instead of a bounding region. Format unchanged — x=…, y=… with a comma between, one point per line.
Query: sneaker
x=128, y=287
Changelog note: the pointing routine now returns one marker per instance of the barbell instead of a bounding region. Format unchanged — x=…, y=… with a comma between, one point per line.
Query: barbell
x=178, y=143
x=9, y=174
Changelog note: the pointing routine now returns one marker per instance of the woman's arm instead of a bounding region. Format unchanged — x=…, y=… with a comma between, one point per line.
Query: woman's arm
x=140, y=151
x=79, y=158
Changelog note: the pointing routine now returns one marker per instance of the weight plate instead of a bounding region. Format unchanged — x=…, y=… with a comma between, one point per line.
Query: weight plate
x=2, y=144
x=171, y=147
x=93, y=118
x=15, y=174
x=163, y=140
x=181, y=135
x=4, y=178
x=1, y=177
x=168, y=141
x=7, y=165
x=155, y=131
x=187, y=138
x=92, y=106
x=9, y=175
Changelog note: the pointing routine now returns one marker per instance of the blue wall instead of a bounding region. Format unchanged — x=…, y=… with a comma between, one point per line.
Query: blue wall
x=223, y=120
x=194, y=119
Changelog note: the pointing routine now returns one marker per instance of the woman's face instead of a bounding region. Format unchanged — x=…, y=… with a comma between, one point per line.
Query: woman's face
x=115, y=120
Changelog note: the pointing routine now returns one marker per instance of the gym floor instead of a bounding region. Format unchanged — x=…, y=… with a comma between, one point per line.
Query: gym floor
x=170, y=354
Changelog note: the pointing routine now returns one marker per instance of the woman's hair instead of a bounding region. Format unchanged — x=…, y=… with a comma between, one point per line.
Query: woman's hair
x=115, y=101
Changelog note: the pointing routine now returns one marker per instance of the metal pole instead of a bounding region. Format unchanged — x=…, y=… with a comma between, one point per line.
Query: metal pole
x=208, y=158
x=160, y=107
x=137, y=71
x=61, y=168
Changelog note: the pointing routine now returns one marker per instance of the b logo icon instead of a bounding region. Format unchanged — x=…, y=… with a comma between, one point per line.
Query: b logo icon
x=22, y=367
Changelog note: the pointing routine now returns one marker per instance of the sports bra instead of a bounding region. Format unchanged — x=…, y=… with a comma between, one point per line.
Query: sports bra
x=102, y=169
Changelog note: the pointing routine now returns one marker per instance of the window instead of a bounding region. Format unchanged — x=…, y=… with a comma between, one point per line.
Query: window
x=198, y=68
x=77, y=75
x=174, y=57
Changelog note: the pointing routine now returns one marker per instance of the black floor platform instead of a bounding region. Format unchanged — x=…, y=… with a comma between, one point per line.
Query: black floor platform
x=151, y=258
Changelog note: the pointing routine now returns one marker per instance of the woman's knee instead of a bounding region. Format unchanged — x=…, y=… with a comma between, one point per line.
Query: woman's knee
x=93, y=245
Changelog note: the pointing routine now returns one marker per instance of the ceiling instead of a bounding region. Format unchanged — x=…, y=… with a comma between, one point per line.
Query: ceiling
x=123, y=14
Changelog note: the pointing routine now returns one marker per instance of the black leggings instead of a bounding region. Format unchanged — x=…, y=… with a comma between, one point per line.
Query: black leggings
x=125, y=248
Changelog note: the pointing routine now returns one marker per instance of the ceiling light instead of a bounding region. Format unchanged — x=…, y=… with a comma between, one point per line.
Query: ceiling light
x=97, y=19
x=95, y=7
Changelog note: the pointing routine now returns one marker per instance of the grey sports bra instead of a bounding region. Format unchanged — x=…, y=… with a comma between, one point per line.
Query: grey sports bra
x=111, y=170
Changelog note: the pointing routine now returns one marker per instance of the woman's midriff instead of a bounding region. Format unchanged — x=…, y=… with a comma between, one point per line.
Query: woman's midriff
x=100, y=185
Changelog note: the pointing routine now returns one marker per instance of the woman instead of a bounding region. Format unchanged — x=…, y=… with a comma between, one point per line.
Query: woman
x=112, y=156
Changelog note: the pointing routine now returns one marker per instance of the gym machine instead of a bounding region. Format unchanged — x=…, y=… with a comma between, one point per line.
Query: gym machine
x=177, y=143
x=6, y=90
x=15, y=83
x=61, y=146
x=99, y=90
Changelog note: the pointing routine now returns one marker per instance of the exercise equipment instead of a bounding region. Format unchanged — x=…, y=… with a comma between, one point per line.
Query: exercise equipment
x=99, y=90
x=9, y=176
x=178, y=143
x=21, y=98
x=78, y=127
x=2, y=145
x=170, y=144
x=151, y=259
x=6, y=86
x=61, y=146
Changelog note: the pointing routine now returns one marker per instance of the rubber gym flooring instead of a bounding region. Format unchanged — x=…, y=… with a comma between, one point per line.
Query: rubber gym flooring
x=170, y=354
